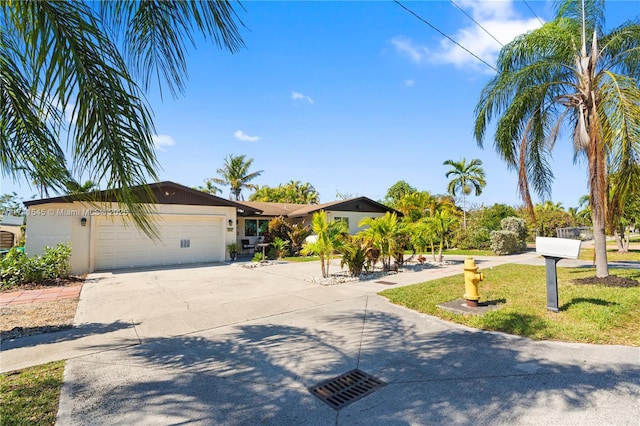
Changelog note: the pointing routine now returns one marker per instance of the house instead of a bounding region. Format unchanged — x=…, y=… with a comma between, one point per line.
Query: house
x=10, y=231
x=352, y=211
x=193, y=227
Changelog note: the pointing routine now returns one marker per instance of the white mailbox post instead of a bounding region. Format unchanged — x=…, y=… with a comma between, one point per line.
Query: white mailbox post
x=553, y=250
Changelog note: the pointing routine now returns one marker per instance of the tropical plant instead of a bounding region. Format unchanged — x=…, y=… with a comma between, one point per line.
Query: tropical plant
x=233, y=248
x=298, y=233
x=279, y=228
x=11, y=204
x=62, y=57
x=466, y=178
x=74, y=187
x=280, y=247
x=571, y=73
x=235, y=173
x=624, y=207
x=354, y=256
x=396, y=192
x=423, y=236
x=208, y=187
x=383, y=233
x=330, y=236
x=292, y=192
x=16, y=268
x=417, y=204
x=442, y=224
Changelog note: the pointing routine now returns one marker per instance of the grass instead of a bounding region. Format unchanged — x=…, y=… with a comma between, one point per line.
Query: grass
x=31, y=395
x=454, y=251
x=613, y=255
x=588, y=313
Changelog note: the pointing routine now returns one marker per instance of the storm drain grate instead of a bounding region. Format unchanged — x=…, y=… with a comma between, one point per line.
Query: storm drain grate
x=384, y=282
x=347, y=388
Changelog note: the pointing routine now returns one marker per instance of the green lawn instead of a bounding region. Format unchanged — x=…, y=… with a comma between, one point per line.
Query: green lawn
x=428, y=254
x=613, y=255
x=30, y=396
x=588, y=313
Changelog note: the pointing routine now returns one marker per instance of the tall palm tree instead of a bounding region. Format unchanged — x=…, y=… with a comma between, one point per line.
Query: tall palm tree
x=467, y=178
x=568, y=73
x=74, y=187
x=235, y=173
x=96, y=60
x=209, y=187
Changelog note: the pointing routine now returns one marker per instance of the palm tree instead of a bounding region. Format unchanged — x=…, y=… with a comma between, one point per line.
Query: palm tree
x=467, y=178
x=209, y=187
x=96, y=60
x=383, y=233
x=235, y=173
x=552, y=78
x=329, y=239
x=74, y=187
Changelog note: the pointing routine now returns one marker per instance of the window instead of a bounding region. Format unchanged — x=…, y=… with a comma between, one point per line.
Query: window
x=185, y=243
x=255, y=227
x=344, y=219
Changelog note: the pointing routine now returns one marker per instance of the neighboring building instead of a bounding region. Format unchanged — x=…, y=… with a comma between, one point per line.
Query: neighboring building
x=193, y=227
x=351, y=211
x=10, y=231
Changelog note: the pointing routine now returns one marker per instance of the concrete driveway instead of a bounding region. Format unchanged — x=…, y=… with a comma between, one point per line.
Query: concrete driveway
x=228, y=345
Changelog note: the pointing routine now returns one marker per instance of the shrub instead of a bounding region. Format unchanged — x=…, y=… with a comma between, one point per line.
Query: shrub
x=279, y=228
x=504, y=242
x=257, y=257
x=519, y=226
x=472, y=238
x=279, y=247
x=16, y=268
x=55, y=261
x=354, y=255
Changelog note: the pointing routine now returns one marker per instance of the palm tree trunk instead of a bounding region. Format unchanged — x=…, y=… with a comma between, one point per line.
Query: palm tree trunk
x=464, y=211
x=598, y=193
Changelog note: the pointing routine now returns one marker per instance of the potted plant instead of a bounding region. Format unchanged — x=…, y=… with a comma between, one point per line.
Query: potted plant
x=232, y=248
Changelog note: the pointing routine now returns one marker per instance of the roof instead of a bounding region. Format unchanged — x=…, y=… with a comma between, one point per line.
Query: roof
x=359, y=204
x=8, y=220
x=166, y=192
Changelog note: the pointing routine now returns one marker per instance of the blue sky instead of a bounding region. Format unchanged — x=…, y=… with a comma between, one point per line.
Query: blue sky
x=351, y=97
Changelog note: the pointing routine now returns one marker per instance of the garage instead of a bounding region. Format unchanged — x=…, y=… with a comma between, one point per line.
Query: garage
x=194, y=227
x=182, y=240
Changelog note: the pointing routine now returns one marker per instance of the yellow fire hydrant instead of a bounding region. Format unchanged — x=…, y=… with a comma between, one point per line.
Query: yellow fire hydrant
x=471, y=279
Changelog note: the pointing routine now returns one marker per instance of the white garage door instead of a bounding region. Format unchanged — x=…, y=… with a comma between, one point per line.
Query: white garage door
x=183, y=240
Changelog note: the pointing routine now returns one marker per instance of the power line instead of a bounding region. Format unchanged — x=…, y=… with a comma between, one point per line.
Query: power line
x=446, y=36
x=534, y=14
x=476, y=22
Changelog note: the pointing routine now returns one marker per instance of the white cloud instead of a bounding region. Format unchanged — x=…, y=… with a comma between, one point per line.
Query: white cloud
x=408, y=83
x=242, y=136
x=406, y=47
x=297, y=96
x=161, y=142
x=497, y=17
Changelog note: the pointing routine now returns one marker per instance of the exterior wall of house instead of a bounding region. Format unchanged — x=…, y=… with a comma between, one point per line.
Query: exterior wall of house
x=353, y=217
x=54, y=223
